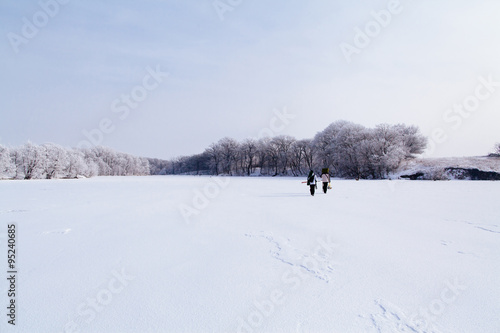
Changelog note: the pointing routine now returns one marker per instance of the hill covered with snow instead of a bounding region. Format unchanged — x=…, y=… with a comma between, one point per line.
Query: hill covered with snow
x=475, y=168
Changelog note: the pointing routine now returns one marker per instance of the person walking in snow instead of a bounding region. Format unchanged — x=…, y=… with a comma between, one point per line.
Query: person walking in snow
x=311, y=181
x=325, y=178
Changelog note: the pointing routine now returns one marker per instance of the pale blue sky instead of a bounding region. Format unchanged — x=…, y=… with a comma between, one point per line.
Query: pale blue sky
x=227, y=76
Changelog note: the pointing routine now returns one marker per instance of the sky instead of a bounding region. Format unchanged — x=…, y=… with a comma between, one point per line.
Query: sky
x=168, y=78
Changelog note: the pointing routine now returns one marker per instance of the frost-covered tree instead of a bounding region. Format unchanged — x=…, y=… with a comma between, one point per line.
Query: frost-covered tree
x=112, y=163
x=390, y=145
x=325, y=145
x=76, y=164
x=143, y=166
x=7, y=167
x=347, y=150
x=15, y=157
x=413, y=141
x=103, y=157
x=55, y=160
x=31, y=161
x=5, y=161
x=92, y=169
x=355, y=151
x=387, y=151
x=159, y=167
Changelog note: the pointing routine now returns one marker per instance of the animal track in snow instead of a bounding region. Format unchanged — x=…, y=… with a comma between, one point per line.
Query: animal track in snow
x=486, y=227
x=468, y=253
x=57, y=232
x=13, y=211
x=317, y=264
x=452, y=247
x=392, y=319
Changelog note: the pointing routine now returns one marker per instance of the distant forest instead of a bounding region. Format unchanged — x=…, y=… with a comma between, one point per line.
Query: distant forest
x=348, y=149
x=49, y=161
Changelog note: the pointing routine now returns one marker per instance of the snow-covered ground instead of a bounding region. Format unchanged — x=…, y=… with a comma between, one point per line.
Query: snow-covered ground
x=201, y=254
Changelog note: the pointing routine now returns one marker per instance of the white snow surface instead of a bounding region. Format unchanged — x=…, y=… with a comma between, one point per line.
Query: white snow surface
x=116, y=254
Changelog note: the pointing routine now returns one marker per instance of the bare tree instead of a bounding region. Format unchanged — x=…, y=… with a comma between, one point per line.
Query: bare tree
x=281, y=149
x=273, y=155
x=229, y=150
x=263, y=157
x=214, y=151
x=302, y=157
x=248, y=151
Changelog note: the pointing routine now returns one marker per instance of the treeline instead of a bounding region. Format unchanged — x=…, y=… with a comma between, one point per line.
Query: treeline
x=496, y=151
x=349, y=150
x=48, y=161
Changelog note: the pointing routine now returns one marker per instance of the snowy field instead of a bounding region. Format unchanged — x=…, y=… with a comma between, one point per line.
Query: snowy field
x=201, y=254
